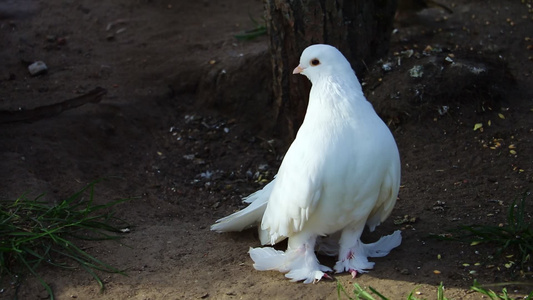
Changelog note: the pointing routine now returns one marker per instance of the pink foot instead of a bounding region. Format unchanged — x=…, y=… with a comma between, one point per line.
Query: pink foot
x=353, y=272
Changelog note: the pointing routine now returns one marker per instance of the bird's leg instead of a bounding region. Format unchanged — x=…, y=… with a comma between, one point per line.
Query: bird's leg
x=353, y=272
x=352, y=257
x=304, y=263
x=298, y=261
x=353, y=254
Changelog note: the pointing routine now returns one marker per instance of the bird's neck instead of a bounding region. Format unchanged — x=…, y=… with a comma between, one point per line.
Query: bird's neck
x=337, y=97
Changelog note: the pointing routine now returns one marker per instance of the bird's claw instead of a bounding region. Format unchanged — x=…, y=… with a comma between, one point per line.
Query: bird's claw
x=327, y=276
x=353, y=272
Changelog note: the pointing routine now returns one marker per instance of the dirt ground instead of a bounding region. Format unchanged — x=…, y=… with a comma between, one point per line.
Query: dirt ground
x=179, y=131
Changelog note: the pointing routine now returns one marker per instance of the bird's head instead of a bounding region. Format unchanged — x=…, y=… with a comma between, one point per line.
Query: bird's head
x=322, y=60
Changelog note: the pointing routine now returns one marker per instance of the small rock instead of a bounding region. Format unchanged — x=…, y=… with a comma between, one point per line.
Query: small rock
x=37, y=68
x=405, y=272
x=416, y=71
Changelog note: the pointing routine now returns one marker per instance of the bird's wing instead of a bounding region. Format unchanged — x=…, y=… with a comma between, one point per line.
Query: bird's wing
x=388, y=190
x=297, y=190
x=388, y=194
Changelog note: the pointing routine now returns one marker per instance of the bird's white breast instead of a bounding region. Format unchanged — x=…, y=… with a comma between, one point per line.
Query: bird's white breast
x=332, y=173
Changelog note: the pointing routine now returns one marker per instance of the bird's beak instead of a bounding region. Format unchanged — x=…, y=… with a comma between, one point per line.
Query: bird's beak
x=298, y=70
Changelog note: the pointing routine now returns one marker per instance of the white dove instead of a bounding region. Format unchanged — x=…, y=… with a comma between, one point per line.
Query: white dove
x=341, y=172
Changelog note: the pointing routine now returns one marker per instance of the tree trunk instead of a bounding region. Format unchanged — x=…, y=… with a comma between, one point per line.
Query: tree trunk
x=360, y=29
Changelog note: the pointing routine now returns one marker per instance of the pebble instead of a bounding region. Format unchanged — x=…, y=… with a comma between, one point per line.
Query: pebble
x=416, y=71
x=37, y=68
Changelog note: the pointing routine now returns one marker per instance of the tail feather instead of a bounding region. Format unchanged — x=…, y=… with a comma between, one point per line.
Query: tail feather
x=249, y=216
x=243, y=219
x=263, y=193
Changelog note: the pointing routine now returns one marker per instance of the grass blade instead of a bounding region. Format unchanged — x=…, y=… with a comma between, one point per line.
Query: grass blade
x=34, y=233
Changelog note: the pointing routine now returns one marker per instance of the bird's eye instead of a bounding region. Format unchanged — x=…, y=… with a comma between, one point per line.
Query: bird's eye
x=315, y=62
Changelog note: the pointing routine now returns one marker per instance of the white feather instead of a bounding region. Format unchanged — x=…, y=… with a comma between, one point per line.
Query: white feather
x=248, y=217
x=341, y=172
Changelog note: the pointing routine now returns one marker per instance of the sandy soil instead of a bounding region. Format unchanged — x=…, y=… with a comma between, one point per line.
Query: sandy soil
x=180, y=132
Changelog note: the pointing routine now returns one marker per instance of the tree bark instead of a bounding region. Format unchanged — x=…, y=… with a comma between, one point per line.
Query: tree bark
x=360, y=29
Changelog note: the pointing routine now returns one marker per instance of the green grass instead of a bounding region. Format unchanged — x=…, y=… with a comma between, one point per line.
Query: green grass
x=514, y=236
x=259, y=30
x=493, y=295
x=361, y=294
x=34, y=232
